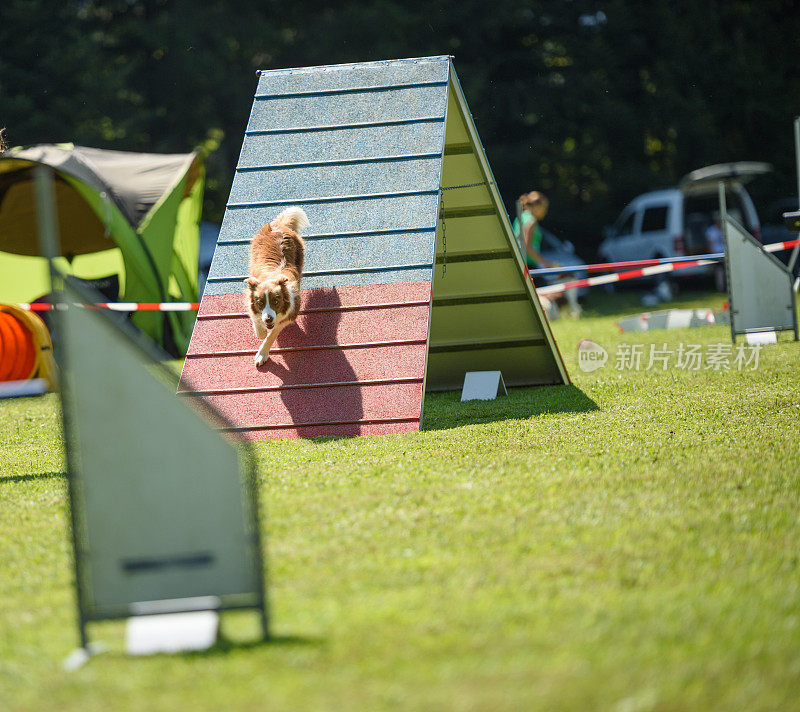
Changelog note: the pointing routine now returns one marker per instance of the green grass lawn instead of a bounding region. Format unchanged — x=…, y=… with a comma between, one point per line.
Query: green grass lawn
x=627, y=543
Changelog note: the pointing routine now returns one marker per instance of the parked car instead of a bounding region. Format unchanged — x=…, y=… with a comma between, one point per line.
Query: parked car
x=563, y=252
x=673, y=222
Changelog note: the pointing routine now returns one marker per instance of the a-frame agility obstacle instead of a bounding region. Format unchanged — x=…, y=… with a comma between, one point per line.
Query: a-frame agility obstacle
x=412, y=276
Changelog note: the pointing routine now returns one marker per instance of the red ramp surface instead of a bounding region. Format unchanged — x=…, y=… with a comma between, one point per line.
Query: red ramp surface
x=352, y=364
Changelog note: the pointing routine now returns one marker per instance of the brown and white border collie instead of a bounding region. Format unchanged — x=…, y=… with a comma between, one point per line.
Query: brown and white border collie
x=273, y=287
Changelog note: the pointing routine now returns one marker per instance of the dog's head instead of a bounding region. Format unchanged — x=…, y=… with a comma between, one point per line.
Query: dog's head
x=269, y=298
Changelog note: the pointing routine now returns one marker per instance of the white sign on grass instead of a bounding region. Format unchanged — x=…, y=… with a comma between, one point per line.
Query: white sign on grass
x=483, y=385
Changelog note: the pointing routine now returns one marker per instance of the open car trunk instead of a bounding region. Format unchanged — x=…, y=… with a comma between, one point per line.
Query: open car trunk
x=701, y=210
x=701, y=201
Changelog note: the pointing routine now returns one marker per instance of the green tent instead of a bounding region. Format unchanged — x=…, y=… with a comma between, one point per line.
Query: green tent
x=127, y=221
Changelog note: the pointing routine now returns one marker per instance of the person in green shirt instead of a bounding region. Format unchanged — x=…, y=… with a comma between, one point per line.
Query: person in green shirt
x=531, y=209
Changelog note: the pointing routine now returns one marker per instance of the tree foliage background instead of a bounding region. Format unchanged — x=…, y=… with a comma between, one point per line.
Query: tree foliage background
x=591, y=101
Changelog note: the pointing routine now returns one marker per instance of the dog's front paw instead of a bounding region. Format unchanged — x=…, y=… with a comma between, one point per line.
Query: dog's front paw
x=261, y=359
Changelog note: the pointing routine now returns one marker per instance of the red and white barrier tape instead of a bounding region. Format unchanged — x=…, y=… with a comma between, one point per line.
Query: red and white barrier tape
x=778, y=246
x=648, y=268
x=608, y=266
x=619, y=276
x=123, y=306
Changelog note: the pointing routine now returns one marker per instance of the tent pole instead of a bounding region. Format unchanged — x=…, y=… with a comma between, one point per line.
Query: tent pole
x=49, y=248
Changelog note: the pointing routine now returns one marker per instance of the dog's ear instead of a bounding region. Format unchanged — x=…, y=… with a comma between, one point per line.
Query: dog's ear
x=283, y=279
x=251, y=282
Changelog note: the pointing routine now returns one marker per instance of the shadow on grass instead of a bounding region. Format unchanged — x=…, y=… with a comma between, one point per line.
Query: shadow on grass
x=225, y=646
x=445, y=410
x=30, y=478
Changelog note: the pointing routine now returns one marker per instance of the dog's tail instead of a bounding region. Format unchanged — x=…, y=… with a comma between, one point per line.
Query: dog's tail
x=293, y=218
